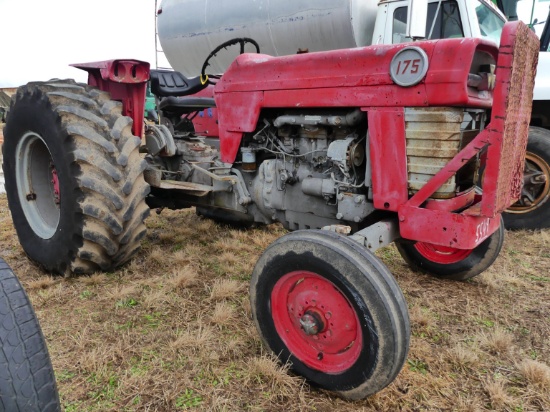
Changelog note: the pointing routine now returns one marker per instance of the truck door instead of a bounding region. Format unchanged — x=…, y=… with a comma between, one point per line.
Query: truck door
x=446, y=19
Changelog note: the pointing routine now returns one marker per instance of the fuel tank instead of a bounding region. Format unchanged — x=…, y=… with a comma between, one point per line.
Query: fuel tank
x=190, y=29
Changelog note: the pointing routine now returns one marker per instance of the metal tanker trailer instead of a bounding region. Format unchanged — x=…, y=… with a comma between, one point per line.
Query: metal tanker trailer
x=190, y=29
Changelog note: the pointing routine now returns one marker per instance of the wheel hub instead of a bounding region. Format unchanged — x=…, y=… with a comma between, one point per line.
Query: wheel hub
x=37, y=185
x=312, y=323
x=316, y=321
x=536, y=185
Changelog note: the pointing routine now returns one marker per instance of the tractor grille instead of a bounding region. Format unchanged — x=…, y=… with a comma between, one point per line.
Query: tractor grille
x=433, y=138
x=512, y=103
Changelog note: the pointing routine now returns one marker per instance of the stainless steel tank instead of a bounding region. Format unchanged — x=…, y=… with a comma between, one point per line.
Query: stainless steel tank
x=190, y=29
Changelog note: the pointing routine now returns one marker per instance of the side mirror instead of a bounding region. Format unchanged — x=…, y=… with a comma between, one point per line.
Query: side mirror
x=416, y=19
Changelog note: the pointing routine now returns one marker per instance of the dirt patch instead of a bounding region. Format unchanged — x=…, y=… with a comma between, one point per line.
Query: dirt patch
x=172, y=330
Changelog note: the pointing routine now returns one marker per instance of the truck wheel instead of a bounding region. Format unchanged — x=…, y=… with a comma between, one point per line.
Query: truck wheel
x=333, y=310
x=532, y=211
x=74, y=178
x=27, y=381
x=451, y=263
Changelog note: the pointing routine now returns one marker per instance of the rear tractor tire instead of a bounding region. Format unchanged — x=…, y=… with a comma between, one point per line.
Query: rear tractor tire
x=329, y=307
x=74, y=178
x=451, y=263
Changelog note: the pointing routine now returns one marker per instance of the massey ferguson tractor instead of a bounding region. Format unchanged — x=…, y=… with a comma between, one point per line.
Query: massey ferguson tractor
x=190, y=28
x=420, y=143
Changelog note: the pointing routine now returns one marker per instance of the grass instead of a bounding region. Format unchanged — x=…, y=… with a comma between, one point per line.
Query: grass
x=172, y=330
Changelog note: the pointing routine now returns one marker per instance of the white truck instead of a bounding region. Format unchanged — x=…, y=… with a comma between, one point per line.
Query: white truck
x=189, y=29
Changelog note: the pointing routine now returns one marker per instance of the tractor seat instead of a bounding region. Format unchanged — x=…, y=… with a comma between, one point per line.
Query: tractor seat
x=178, y=106
x=166, y=83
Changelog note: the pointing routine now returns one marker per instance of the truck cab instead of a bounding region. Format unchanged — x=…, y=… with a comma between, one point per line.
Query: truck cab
x=446, y=19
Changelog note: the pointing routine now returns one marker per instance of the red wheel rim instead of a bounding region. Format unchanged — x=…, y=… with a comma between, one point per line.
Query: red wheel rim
x=55, y=183
x=442, y=254
x=316, y=322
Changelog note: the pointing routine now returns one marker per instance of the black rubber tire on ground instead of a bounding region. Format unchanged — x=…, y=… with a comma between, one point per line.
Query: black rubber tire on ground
x=474, y=264
x=74, y=178
x=536, y=215
x=27, y=380
x=343, y=275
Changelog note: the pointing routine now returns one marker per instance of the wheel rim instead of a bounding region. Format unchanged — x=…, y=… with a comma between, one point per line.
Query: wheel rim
x=37, y=185
x=316, y=322
x=536, y=185
x=441, y=254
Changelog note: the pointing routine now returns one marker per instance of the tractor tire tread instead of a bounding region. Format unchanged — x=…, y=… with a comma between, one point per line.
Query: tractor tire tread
x=106, y=173
x=27, y=381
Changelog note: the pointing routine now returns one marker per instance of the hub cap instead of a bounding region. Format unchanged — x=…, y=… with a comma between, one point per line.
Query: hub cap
x=442, y=254
x=316, y=322
x=37, y=185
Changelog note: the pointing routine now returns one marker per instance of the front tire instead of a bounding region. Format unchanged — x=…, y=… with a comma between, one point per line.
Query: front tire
x=331, y=308
x=27, y=381
x=74, y=178
x=451, y=263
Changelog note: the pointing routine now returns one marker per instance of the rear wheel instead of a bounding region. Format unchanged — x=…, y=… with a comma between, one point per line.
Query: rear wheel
x=451, y=263
x=333, y=310
x=27, y=381
x=532, y=210
x=74, y=178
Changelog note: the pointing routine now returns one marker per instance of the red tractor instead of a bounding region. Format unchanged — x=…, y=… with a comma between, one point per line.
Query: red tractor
x=350, y=149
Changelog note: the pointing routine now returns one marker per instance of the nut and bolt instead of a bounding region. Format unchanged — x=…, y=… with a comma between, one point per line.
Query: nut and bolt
x=312, y=323
x=309, y=324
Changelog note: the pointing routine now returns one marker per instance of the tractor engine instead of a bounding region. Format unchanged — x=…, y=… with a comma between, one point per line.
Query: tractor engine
x=304, y=169
x=308, y=169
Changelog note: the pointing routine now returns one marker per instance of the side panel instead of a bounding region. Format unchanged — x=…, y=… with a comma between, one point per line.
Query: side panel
x=388, y=161
x=240, y=115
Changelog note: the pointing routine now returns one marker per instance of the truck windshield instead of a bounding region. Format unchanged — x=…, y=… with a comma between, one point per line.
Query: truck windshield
x=533, y=12
x=490, y=23
x=446, y=25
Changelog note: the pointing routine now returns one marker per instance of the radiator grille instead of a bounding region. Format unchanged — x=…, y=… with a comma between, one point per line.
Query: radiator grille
x=433, y=139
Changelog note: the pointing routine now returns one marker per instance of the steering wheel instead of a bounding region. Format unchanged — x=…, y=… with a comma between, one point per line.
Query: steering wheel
x=207, y=78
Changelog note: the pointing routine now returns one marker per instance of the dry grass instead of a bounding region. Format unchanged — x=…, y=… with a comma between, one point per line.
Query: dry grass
x=498, y=341
x=498, y=396
x=536, y=374
x=172, y=330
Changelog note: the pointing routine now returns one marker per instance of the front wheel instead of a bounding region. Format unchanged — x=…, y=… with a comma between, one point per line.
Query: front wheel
x=332, y=309
x=532, y=210
x=451, y=263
